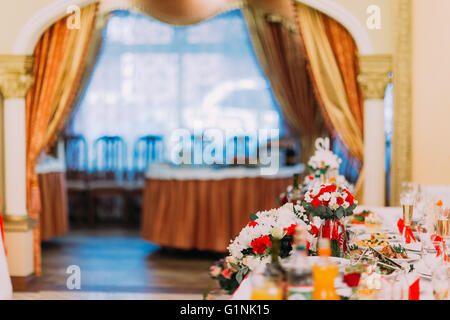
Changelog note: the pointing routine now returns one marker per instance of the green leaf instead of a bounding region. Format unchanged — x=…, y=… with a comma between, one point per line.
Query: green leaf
x=235, y=266
x=253, y=217
x=241, y=274
x=340, y=212
x=358, y=218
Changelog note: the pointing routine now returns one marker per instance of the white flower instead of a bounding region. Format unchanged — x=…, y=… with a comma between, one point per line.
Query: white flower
x=325, y=197
x=231, y=259
x=277, y=233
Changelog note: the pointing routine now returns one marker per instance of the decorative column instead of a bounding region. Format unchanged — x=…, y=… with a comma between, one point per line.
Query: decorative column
x=15, y=80
x=373, y=78
x=401, y=163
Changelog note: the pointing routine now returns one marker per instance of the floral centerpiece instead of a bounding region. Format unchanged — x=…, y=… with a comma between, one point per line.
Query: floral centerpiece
x=328, y=205
x=324, y=159
x=252, y=247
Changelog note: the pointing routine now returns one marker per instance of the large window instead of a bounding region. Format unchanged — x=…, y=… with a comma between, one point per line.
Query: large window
x=152, y=78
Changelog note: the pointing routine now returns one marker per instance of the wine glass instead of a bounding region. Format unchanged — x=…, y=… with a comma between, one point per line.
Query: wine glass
x=441, y=283
x=433, y=254
x=400, y=289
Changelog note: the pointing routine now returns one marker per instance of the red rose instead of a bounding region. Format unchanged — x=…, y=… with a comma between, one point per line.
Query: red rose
x=339, y=200
x=311, y=177
x=349, y=198
x=314, y=230
x=326, y=203
x=352, y=279
x=226, y=273
x=290, y=231
x=316, y=202
x=330, y=188
x=260, y=245
x=253, y=224
x=284, y=200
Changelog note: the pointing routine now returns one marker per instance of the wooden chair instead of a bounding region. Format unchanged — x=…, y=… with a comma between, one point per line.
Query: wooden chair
x=76, y=154
x=109, y=171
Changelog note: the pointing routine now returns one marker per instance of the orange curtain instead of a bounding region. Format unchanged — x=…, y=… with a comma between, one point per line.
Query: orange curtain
x=333, y=65
x=346, y=54
x=60, y=56
x=278, y=46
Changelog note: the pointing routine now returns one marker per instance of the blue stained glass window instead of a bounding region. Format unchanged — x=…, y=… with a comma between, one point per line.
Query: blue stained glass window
x=152, y=78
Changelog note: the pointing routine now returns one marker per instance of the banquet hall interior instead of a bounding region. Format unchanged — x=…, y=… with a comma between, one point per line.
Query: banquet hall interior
x=138, y=137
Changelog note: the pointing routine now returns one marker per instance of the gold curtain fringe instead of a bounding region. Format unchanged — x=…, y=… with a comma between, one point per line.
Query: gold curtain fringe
x=108, y=6
x=286, y=22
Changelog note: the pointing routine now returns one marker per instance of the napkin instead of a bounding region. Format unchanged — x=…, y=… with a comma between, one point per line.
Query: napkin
x=406, y=231
x=436, y=238
x=414, y=287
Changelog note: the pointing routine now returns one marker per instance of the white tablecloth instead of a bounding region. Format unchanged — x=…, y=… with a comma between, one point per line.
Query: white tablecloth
x=390, y=216
x=166, y=172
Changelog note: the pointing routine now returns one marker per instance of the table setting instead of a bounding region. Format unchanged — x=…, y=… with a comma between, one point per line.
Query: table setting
x=372, y=253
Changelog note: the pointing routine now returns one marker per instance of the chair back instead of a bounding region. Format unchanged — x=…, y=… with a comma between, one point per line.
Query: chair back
x=76, y=153
x=147, y=149
x=110, y=158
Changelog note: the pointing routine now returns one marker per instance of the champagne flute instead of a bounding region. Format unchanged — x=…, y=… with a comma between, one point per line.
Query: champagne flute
x=407, y=202
x=442, y=227
x=442, y=223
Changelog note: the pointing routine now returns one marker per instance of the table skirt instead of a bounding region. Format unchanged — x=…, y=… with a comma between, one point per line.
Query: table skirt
x=204, y=214
x=54, y=201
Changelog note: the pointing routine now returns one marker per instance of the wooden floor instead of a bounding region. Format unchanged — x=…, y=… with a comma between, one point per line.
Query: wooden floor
x=116, y=263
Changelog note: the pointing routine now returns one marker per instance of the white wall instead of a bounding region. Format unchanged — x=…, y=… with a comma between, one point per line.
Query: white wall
x=431, y=92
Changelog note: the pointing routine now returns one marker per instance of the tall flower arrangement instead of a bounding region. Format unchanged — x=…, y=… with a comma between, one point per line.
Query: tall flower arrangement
x=330, y=204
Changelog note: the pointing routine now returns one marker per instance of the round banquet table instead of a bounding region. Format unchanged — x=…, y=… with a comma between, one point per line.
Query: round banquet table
x=193, y=208
x=54, y=216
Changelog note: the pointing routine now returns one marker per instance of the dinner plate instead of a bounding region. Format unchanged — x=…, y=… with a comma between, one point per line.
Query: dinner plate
x=411, y=258
x=367, y=235
x=366, y=247
x=413, y=246
x=422, y=270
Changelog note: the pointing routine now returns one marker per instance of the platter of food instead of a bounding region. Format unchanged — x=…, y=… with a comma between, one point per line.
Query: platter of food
x=367, y=220
x=376, y=240
x=399, y=254
x=389, y=237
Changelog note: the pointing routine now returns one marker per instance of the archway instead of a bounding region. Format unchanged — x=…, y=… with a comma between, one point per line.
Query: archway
x=45, y=17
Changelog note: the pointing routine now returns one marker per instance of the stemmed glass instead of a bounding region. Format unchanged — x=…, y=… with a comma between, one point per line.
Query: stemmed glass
x=394, y=286
x=407, y=201
x=433, y=254
x=441, y=283
x=443, y=223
